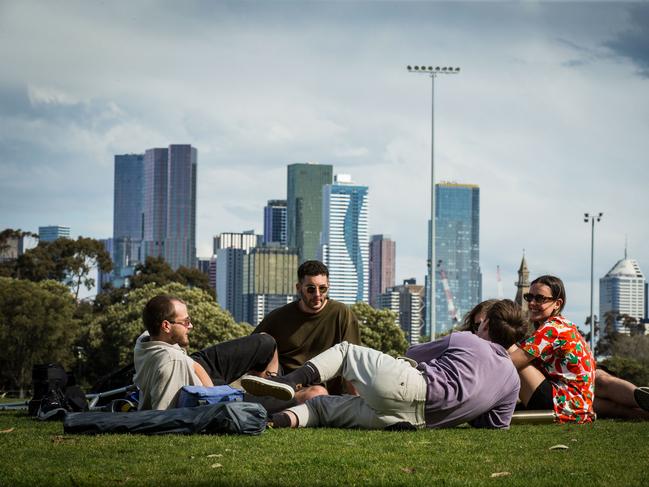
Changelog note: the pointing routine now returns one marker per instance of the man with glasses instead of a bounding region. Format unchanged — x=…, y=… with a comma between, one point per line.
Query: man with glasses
x=312, y=324
x=163, y=367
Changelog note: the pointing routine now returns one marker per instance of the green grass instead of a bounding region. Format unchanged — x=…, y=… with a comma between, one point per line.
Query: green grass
x=605, y=453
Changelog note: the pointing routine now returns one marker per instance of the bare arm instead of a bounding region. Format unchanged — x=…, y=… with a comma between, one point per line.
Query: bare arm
x=519, y=357
x=202, y=375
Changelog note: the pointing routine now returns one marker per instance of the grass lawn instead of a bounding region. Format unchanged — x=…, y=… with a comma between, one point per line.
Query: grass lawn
x=606, y=453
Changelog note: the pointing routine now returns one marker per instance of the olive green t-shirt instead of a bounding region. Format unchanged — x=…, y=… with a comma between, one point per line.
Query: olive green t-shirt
x=301, y=336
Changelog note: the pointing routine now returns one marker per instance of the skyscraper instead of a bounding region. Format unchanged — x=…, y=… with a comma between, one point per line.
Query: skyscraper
x=128, y=208
x=236, y=240
x=275, y=222
x=229, y=281
x=382, y=266
x=457, y=248
x=345, y=239
x=269, y=276
x=304, y=206
x=622, y=292
x=50, y=233
x=170, y=204
x=230, y=249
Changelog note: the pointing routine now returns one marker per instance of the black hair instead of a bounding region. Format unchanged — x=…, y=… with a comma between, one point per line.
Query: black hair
x=312, y=268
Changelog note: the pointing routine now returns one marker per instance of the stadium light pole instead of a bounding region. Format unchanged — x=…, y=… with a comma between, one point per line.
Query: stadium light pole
x=432, y=72
x=592, y=217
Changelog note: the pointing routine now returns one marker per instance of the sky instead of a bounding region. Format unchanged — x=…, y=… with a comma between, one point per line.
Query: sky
x=549, y=115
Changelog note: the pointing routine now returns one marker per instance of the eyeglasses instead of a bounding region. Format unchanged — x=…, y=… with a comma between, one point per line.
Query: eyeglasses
x=539, y=298
x=311, y=289
x=187, y=322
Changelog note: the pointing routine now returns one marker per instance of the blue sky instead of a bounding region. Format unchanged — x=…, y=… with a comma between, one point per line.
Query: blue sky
x=549, y=115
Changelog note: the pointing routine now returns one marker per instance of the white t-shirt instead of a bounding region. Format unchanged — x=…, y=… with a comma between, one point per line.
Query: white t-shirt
x=161, y=370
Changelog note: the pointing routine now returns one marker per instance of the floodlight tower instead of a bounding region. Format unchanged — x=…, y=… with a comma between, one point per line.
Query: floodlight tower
x=432, y=72
x=592, y=217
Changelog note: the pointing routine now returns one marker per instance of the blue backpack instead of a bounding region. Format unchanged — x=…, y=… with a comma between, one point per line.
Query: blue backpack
x=191, y=396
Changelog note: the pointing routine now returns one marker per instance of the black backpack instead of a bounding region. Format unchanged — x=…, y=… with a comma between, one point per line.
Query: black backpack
x=55, y=393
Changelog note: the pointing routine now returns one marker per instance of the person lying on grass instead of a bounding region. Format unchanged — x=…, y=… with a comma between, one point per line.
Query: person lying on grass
x=162, y=366
x=456, y=379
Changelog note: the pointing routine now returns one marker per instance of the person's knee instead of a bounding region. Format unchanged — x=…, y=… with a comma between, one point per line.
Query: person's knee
x=264, y=339
x=311, y=392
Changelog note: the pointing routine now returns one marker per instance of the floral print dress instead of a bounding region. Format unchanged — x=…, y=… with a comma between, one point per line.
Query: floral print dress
x=564, y=357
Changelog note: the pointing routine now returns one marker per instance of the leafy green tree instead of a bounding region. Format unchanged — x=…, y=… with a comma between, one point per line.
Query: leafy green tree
x=156, y=270
x=379, y=329
x=628, y=368
x=110, y=337
x=64, y=260
x=37, y=325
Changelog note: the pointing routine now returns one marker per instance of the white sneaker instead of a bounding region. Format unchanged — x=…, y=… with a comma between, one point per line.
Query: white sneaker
x=259, y=386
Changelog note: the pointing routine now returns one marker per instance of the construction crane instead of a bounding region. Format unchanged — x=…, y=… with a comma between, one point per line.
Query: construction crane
x=452, y=310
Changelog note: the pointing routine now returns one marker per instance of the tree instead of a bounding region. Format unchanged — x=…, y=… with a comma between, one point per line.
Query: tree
x=156, y=270
x=37, y=325
x=379, y=329
x=7, y=263
x=628, y=368
x=64, y=260
x=109, y=338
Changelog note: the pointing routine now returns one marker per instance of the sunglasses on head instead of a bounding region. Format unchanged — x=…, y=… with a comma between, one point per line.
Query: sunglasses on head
x=539, y=298
x=311, y=289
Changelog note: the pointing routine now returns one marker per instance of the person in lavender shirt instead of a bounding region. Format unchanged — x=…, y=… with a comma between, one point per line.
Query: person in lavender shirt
x=462, y=377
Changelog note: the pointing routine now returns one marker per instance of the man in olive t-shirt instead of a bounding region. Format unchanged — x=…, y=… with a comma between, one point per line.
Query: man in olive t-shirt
x=312, y=324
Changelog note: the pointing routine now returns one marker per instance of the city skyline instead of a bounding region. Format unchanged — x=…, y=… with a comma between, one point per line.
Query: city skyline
x=547, y=117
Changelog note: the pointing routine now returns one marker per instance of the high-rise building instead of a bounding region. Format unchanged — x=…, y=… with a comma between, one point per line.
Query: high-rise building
x=457, y=251
x=233, y=240
x=382, y=266
x=275, y=222
x=304, y=206
x=230, y=250
x=50, y=233
x=622, y=293
x=169, y=227
x=269, y=277
x=407, y=301
x=229, y=281
x=345, y=239
x=128, y=212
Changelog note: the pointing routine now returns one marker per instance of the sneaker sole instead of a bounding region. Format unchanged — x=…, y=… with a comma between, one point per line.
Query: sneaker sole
x=641, y=395
x=258, y=386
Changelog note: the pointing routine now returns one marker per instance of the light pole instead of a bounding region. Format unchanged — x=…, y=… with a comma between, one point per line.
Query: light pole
x=592, y=217
x=432, y=72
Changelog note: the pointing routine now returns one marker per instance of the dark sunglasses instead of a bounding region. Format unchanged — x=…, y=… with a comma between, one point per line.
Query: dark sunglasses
x=539, y=298
x=311, y=289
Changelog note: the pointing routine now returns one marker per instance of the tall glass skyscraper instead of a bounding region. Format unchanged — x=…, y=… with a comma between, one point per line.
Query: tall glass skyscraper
x=345, y=239
x=128, y=208
x=169, y=227
x=457, y=249
x=304, y=206
x=275, y=222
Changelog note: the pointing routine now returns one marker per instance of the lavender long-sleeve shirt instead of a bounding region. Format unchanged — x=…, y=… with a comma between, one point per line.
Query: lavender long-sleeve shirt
x=469, y=379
